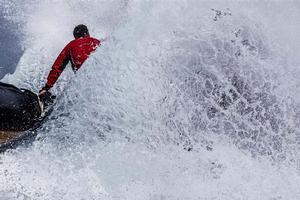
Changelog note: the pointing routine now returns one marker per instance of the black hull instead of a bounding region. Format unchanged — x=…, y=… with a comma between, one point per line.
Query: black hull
x=21, y=115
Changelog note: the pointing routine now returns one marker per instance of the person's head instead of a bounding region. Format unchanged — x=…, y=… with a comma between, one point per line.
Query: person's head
x=81, y=31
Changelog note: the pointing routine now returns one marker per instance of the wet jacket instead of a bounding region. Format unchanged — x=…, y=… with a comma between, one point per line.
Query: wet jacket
x=77, y=51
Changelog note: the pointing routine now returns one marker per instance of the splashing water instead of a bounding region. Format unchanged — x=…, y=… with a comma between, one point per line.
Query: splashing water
x=185, y=100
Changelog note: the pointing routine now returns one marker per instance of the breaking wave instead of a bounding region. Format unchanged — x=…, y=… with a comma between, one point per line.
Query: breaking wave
x=185, y=100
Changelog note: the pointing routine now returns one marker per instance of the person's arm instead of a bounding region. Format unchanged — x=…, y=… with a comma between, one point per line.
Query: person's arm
x=59, y=65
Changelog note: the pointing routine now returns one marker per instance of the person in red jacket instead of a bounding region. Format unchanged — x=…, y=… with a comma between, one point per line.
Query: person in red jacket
x=76, y=52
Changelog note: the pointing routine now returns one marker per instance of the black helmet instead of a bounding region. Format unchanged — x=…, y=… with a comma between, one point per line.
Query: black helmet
x=80, y=31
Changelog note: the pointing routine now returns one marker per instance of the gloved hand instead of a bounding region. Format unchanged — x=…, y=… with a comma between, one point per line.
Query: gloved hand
x=46, y=97
x=43, y=91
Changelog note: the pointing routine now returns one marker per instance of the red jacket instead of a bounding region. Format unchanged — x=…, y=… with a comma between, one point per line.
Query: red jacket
x=77, y=51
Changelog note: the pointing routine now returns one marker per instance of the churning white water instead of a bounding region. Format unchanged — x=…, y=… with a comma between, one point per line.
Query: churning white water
x=184, y=100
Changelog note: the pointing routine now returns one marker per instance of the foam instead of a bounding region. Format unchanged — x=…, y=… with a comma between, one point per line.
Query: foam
x=162, y=84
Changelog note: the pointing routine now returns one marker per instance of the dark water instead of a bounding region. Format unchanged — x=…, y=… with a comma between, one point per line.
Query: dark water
x=10, y=47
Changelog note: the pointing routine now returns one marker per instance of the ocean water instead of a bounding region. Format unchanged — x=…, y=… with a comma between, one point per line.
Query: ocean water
x=184, y=100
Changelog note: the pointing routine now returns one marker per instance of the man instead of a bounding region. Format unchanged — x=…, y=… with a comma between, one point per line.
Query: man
x=77, y=51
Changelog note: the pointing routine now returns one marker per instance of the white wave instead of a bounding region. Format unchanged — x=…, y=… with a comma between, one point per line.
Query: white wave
x=181, y=102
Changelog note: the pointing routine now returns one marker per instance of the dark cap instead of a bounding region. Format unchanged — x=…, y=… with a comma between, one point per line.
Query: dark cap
x=80, y=31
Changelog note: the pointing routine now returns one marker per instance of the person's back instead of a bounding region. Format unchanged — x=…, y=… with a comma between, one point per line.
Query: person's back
x=81, y=48
x=76, y=52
